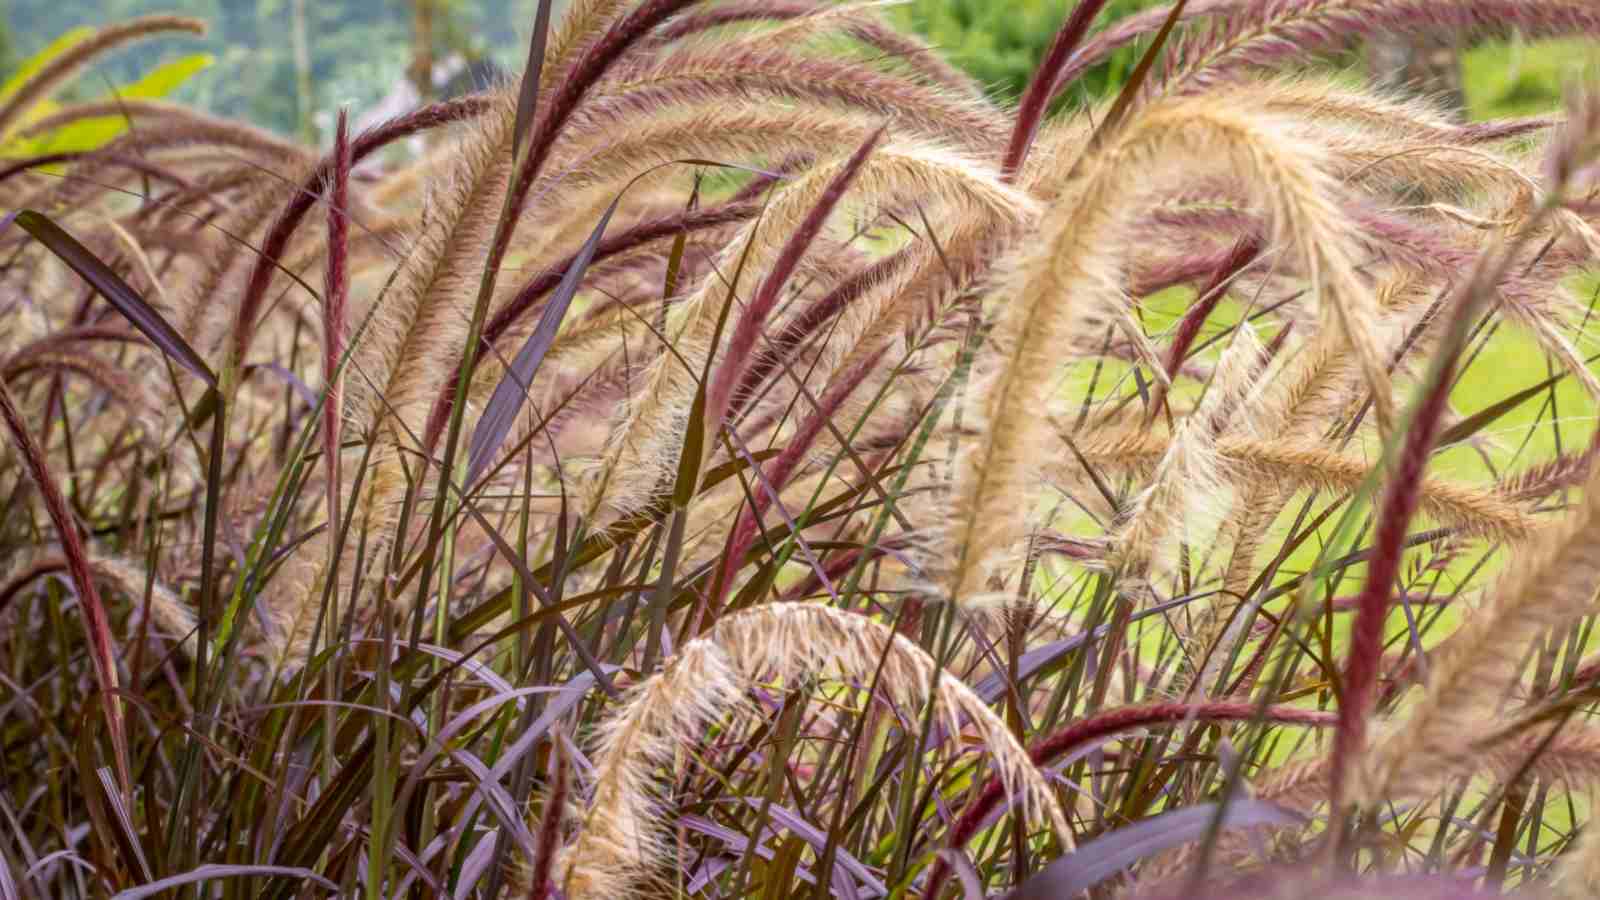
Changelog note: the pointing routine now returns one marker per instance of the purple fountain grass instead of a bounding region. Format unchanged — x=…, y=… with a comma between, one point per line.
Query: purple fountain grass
x=752, y=322
x=269, y=257
x=729, y=500
x=1272, y=32
x=335, y=300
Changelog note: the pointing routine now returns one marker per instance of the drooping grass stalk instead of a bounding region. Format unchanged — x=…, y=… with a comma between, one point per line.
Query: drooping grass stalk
x=710, y=675
x=1079, y=266
x=96, y=626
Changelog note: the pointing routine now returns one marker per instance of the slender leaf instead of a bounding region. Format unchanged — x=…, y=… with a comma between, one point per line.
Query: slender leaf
x=528, y=96
x=212, y=872
x=1108, y=854
x=506, y=402
x=116, y=291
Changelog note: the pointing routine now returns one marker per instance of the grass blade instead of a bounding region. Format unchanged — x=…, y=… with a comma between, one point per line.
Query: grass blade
x=506, y=402
x=528, y=96
x=1108, y=854
x=116, y=291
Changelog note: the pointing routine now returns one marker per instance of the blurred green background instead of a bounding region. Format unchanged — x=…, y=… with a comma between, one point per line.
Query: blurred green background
x=358, y=52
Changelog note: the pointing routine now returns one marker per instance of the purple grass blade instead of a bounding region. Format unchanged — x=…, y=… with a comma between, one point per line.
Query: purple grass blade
x=735, y=842
x=571, y=693
x=811, y=834
x=1105, y=856
x=478, y=862
x=124, y=820
x=295, y=382
x=966, y=873
x=528, y=96
x=211, y=872
x=506, y=402
x=8, y=884
x=123, y=298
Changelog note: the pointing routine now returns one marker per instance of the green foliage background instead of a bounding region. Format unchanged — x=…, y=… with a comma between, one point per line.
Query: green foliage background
x=360, y=49
x=1002, y=42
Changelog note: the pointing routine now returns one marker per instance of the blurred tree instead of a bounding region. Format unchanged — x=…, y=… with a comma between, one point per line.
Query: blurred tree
x=1424, y=65
x=421, y=70
x=8, y=52
x=355, y=50
x=1002, y=43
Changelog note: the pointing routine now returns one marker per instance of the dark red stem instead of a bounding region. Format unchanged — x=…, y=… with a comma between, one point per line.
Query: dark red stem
x=283, y=228
x=1036, y=101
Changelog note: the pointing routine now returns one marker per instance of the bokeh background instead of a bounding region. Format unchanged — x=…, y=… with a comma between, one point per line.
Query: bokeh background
x=288, y=64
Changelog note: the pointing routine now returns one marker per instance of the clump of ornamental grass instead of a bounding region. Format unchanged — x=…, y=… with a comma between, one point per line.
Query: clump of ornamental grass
x=740, y=458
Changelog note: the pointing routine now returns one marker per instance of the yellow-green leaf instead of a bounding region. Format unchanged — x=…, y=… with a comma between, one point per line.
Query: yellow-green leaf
x=92, y=133
x=81, y=136
x=166, y=78
x=34, y=63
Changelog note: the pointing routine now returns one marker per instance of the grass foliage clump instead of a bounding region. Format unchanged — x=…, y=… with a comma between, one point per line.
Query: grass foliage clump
x=743, y=458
